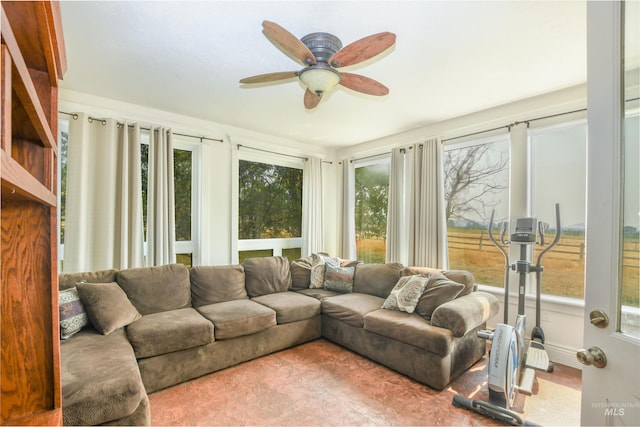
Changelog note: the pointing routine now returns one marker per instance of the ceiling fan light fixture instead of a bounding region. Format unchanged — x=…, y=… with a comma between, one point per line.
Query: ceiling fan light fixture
x=319, y=78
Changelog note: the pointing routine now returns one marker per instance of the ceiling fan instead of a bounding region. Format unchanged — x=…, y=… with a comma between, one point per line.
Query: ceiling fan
x=322, y=54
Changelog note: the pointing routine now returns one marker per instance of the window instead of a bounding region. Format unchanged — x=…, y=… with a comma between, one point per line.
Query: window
x=476, y=183
x=63, y=128
x=186, y=179
x=558, y=158
x=269, y=209
x=371, y=205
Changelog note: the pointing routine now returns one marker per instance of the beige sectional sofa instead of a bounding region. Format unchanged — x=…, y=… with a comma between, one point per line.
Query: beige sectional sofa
x=151, y=328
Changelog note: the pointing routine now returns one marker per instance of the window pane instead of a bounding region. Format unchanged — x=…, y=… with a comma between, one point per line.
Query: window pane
x=476, y=183
x=558, y=175
x=372, y=194
x=182, y=167
x=270, y=204
x=144, y=159
x=64, y=157
x=242, y=255
x=292, y=253
x=630, y=297
x=186, y=259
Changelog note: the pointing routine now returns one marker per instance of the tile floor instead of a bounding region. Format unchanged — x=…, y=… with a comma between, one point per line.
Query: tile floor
x=322, y=384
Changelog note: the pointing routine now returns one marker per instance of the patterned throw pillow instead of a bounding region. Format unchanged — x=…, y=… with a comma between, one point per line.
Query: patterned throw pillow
x=338, y=279
x=318, y=263
x=406, y=293
x=72, y=314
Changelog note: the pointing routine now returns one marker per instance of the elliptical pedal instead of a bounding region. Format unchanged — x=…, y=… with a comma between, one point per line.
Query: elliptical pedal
x=537, y=357
x=526, y=382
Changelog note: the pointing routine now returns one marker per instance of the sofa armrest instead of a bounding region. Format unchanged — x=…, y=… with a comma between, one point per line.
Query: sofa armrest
x=465, y=313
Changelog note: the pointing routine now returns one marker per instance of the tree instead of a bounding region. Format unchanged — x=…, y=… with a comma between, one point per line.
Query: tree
x=371, y=204
x=270, y=201
x=474, y=178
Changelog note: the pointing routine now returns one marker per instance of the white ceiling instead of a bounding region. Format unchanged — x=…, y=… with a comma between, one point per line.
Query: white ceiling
x=451, y=58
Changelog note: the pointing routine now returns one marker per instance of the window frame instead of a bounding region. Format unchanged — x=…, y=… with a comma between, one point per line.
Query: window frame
x=276, y=245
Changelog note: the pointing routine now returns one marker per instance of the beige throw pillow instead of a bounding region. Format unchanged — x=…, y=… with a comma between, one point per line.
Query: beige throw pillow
x=107, y=306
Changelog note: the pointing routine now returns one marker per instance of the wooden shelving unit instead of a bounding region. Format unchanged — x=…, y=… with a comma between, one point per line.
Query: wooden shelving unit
x=32, y=61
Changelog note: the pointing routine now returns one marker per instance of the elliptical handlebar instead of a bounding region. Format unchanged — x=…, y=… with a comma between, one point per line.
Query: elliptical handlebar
x=556, y=238
x=507, y=267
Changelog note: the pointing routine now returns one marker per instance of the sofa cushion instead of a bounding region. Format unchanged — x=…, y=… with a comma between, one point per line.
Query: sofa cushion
x=351, y=308
x=212, y=284
x=438, y=291
x=107, y=306
x=406, y=293
x=156, y=289
x=318, y=293
x=167, y=331
x=237, y=318
x=290, y=306
x=266, y=275
x=339, y=279
x=376, y=279
x=70, y=280
x=100, y=378
x=461, y=276
x=73, y=316
x=412, y=329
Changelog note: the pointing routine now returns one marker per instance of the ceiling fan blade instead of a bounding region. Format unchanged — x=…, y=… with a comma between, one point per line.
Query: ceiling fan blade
x=311, y=100
x=363, y=49
x=288, y=43
x=363, y=84
x=269, y=77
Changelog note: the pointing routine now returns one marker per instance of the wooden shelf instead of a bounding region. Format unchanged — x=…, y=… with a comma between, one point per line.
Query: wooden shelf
x=18, y=183
x=32, y=60
x=25, y=88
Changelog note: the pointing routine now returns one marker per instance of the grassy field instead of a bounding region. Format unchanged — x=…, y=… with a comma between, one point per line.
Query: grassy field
x=563, y=266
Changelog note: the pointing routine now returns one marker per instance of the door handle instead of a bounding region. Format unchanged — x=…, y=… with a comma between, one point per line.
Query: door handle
x=592, y=356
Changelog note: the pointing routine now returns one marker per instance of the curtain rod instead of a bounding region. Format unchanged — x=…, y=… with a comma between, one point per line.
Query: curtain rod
x=271, y=152
x=509, y=126
x=104, y=122
x=368, y=157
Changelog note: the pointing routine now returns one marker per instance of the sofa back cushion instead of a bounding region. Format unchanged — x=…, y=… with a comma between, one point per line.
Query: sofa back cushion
x=266, y=275
x=376, y=279
x=156, y=289
x=70, y=280
x=461, y=276
x=213, y=284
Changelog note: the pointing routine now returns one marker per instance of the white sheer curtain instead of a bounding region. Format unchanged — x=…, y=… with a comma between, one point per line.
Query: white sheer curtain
x=427, y=223
x=103, y=212
x=397, y=220
x=161, y=233
x=348, y=227
x=312, y=218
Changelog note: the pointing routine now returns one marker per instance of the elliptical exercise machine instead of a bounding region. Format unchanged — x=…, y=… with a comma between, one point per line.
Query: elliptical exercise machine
x=510, y=368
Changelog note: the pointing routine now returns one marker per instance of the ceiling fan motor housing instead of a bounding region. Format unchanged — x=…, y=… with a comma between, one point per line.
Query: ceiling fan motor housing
x=322, y=45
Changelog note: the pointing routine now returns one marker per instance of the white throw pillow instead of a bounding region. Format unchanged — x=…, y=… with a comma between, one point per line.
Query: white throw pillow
x=406, y=293
x=318, y=263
